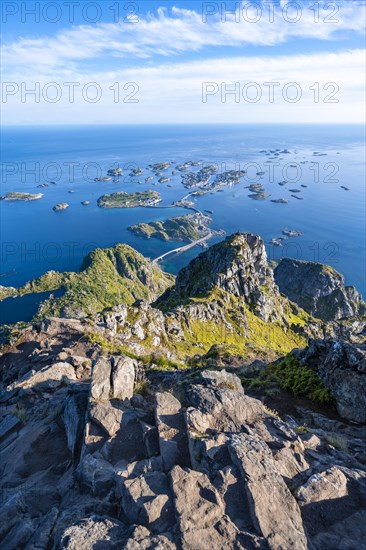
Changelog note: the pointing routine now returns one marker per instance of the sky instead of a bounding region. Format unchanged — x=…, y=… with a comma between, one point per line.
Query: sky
x=182, y=61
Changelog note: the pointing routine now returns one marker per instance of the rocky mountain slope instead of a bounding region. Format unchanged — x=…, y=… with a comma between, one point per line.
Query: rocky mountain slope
x=319, y=289
x=107, y=277
x=121, y=428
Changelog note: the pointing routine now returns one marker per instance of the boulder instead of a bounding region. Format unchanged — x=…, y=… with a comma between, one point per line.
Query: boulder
x=222, y=379
x=146, y=500
x=173, y=440
x=101, y=379
x=274, y=510
x=200, y=513
x=96, y=475
x=91, y=532
x=142, y=539
x=221, y=409
x=106, y=416
x=123, y=377
x=48, y=379
x=327, y=485
x=128, y=443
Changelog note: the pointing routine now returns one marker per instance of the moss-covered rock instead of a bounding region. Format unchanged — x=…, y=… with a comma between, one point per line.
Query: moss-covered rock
x=107, y=277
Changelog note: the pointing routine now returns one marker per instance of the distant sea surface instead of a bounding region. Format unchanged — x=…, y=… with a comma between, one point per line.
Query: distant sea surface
x=35, y=239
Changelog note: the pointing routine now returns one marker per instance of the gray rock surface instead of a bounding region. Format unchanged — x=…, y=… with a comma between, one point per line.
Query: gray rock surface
x=173, y=441
x=237, y=265
x=273, y=507
x=123, y=377
x=146, y=500
x=342, y=368
x=318, y=289
x=101, y=379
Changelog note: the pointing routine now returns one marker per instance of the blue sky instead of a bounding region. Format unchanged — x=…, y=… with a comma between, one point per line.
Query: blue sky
x=176, y=61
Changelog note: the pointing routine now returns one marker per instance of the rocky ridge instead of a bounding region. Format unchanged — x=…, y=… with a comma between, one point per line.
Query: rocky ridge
x=318, y=289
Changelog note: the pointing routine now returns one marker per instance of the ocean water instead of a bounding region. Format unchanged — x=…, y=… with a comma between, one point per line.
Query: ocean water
x=35, y=239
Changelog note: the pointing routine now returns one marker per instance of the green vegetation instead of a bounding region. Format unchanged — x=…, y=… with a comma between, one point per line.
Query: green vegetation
x=338, y=442
x=129, y=200
x=16, y=196
x=290, y=376
x=299, y=380
x=107, y=278
x=188, y=228
x=302, y=430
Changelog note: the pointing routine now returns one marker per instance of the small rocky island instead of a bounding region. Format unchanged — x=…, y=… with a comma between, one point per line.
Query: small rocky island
x=129, y=200
x=16, y=196
x=188, y=228
x=60, y=206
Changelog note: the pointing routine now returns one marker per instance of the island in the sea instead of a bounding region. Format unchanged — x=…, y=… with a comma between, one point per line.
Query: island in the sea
x=60, y=206
x=129, y=200
x=187, y=228
x=16, y=196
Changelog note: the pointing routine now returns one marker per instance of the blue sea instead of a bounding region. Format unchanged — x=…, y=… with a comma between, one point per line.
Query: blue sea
x=320, y=159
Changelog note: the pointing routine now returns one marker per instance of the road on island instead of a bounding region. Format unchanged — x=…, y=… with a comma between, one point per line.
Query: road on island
x=183, y=248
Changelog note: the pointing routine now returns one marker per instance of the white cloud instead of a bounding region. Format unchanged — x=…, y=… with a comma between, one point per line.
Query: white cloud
x=173, y=33
x=172, y=92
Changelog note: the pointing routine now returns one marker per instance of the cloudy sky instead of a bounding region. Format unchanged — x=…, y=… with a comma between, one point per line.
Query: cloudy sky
x=180, y=61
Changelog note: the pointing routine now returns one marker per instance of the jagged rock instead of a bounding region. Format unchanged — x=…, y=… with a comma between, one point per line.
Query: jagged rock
x=41, y=537
x=8, y=425
x=146, y=500
x=274, y=510
x=346, y=534
x=48, y=378
x=330, y=484
x=74, y=420
x=11, y=513
x=342, y=368
x=173, y=441
x=238, y=266
x=19, y=535
x=198, y=506
x=221, y=408
x=101, y=379
x=106, y=416
x=123, y=377
x=142, y=539
x=318, y=289
x=290, y=463
x=96, y=475
x=128, y=444
x=333, y=506
x=231, y=487
x=222, y=379
x=92, y=532
x=141, y=467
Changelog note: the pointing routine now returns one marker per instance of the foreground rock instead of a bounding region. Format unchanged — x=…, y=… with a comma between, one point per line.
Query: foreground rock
x=318, y=289
x=91, y=463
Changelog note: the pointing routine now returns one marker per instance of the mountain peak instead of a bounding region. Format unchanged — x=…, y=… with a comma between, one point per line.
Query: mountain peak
x=238, y=265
